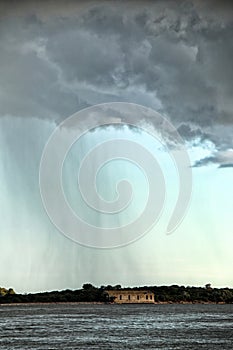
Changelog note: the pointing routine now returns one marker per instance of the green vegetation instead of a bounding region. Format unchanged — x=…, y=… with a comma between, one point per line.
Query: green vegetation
x=5, y=292
x=90, y=293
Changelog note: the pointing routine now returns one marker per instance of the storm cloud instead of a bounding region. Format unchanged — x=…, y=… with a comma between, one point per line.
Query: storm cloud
x=173, y=57
x=224, y=158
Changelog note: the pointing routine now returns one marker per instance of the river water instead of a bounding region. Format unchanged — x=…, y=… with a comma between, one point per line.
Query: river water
x=78, y=326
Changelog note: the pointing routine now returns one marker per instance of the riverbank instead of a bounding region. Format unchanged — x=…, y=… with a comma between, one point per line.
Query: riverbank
x=90, y=294
x=104, y=303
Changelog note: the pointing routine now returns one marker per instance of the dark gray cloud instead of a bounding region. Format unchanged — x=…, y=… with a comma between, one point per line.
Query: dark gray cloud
x=223, y=158
x=175, y=57
x=192, y=132
x=205, y=161
x=229, y=165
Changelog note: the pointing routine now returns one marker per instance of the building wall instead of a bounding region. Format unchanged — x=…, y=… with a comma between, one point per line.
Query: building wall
x=130, y=296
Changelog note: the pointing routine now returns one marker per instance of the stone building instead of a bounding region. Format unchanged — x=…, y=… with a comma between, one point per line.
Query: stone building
x=129, y=296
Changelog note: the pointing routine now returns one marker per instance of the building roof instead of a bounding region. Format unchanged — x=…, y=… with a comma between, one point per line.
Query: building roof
x=128, y=291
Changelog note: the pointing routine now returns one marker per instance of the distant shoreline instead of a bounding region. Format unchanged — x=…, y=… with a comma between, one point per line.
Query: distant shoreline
x=89, y=294
x=104, y=303
x=56, y=303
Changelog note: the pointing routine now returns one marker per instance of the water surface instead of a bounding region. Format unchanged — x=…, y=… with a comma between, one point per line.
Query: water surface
x=77, y=326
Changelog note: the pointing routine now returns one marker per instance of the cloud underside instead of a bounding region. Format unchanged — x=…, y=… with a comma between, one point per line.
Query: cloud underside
x=223, y=158
x=173, y=57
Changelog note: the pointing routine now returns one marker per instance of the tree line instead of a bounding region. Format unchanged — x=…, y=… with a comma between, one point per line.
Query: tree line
x=90, y=293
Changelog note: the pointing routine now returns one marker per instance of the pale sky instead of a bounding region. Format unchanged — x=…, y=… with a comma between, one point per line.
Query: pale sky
x=60, y=57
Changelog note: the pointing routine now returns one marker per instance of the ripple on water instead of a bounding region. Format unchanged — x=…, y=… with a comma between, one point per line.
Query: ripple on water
x=75, y=326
